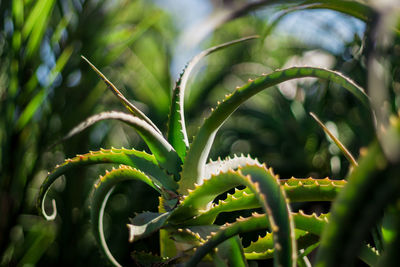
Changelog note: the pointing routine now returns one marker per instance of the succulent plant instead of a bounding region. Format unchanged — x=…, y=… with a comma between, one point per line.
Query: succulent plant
x=194, y=190
x=189, y=186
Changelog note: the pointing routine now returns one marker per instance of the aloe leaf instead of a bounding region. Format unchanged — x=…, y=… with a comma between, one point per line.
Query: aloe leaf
x=242, y=225
x=200, y=197
x=230, y=253
x=297, y=190
x=141, y=160
x=267, y=242
x=193, y=168
x=128, y=105
x=310, y=189
x=316, y=225
x=263, y=255
x=144, y=224
x=271, y=196
x=215, y=167
x=162, y=150
x=263, y=248
x=339, y=144
x=186, y=238
x=312, y=224
x=369, y=255
x=303, y=260
x=177, y=135
x=241, y=200
x=372, y=184
x=309, y=250
x=227, y=253
x=264, y=243
x=391, y=236
x=102, y=191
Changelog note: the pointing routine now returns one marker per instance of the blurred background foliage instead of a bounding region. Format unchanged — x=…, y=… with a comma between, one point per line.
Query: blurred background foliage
x=46, y=89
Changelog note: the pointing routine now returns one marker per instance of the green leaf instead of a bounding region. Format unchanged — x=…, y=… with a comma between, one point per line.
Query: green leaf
x=371, y=185
x=33, y=16
x=36, y=25
x=262, y=244
x=40, y=97
x=18, y=12
x=391, y=235
x=37, y=241
x=144, y=224
x=231, y=253
x=265, y=185
x=241, y=225
x=177, y=134
x=162, y=150
x=215, y=167
x=200, y=197
x=263, y=248
x=193, y=168
x=310, y=189
x=297, y=190
x=102, y=191
x=141, y=160
x=61, y=26
x=305, y=225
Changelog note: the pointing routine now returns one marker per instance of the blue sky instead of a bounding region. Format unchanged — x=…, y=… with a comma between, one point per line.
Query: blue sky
x=331, y=31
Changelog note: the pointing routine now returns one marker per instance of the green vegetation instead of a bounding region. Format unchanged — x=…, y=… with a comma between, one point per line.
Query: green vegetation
x=185, y=208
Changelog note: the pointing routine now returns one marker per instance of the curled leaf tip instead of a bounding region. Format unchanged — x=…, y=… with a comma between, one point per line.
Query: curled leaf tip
x=53, y=214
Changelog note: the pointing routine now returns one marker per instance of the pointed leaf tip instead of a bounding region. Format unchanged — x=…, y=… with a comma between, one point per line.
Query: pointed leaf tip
x=339, y=144
x=128, y=105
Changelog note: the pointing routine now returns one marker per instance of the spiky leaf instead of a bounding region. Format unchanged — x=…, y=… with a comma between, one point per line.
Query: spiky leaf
x=164, y=153
x=271, y=196
x=371, y=185
x=102, y=191
x=130, y=157
x=193, y=168
x=177, y=135
x=297, y=190
x=145, y=224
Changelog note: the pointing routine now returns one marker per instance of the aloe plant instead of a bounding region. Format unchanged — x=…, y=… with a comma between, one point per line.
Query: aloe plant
x=189, y=186
x=195, y=192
